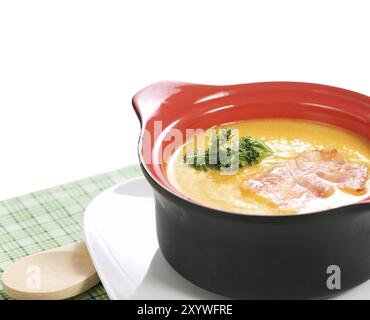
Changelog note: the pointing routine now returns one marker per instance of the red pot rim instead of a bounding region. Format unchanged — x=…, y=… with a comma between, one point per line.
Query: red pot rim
x=180, y=106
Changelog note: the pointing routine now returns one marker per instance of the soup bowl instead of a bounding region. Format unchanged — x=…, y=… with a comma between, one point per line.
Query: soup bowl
x=292, y=256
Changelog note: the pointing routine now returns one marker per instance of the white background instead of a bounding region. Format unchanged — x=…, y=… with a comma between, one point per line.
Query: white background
x=68, y=69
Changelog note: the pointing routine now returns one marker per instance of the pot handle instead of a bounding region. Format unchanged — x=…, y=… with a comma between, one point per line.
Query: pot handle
x=158, y=99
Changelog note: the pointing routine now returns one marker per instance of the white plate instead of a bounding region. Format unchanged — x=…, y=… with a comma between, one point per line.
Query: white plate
x=120, y=234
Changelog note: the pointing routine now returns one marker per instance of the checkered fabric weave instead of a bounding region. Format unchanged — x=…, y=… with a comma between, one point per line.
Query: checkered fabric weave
x=51, y=218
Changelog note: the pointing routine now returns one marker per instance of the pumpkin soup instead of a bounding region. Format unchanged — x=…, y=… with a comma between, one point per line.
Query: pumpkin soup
x=283, y=167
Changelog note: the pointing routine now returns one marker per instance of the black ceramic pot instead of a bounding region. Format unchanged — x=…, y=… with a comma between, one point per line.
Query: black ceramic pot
x=303, y=256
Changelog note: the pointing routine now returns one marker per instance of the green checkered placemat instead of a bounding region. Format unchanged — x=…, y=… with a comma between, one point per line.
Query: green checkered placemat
x=51, y=218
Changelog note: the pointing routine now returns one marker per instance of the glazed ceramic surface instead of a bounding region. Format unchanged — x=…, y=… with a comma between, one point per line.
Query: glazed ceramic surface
x=247, y=256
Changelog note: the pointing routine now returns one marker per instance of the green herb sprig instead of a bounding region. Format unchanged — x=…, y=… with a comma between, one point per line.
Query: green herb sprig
x=225, y=153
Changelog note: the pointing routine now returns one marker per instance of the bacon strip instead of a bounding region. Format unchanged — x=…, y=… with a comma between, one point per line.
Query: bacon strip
x=330, y=165
x=291, y=184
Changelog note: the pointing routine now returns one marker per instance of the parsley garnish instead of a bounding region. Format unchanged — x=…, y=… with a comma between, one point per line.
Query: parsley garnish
x=225, y=153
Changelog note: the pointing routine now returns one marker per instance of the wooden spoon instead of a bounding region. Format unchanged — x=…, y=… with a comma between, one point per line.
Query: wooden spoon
x=54, y=274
